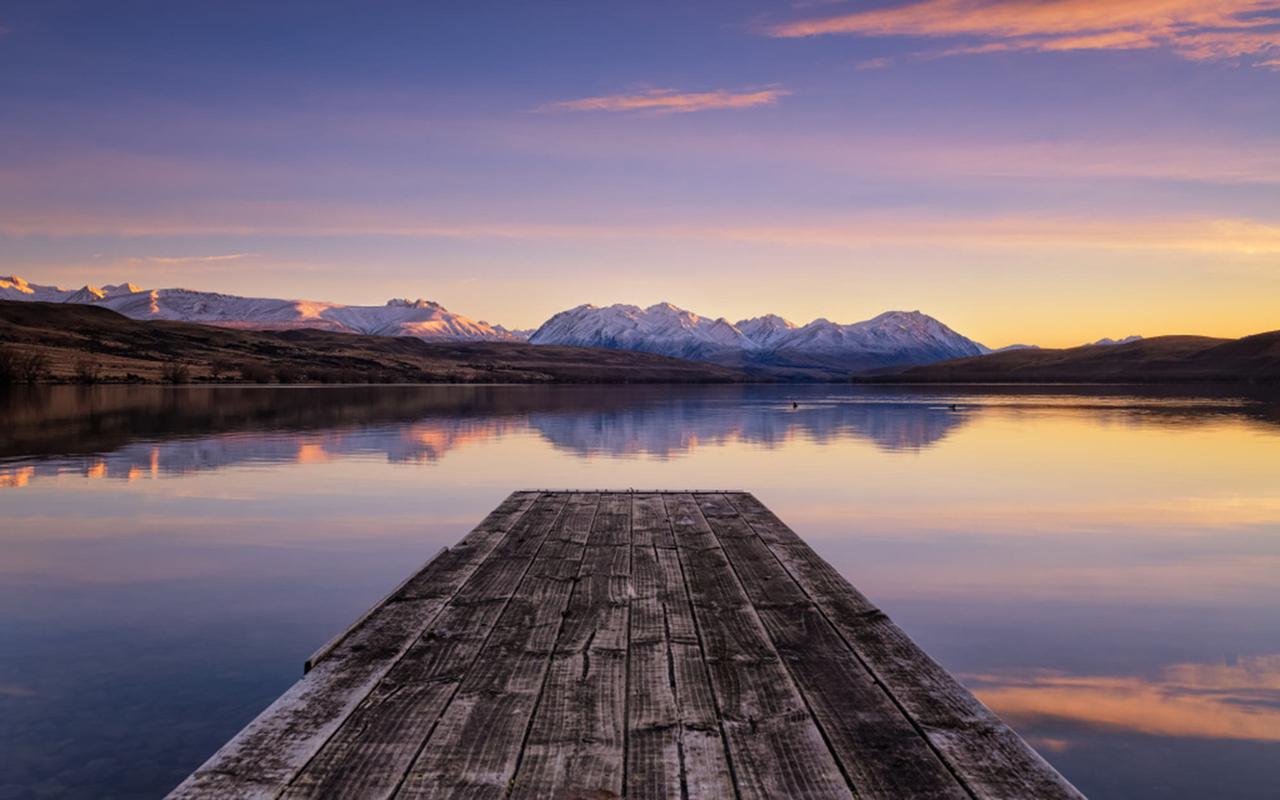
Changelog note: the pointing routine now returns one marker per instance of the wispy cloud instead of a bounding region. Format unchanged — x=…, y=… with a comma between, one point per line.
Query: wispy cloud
x=190, y=259
x=1223, y=236
x=1245, y=30
x=872, y=63
x=671, y=101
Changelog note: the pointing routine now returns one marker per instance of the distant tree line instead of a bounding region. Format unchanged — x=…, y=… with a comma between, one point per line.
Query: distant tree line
x=20, y=367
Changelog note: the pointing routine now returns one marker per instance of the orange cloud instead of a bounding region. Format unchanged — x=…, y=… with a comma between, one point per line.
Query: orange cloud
x=671, y=101
x=1214, y=701
x=1194, y=29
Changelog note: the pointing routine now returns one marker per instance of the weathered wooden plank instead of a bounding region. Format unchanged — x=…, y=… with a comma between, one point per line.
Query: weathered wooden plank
x=986, y=755
x=879, y=750
x=401, y=591
x=649, y=524
x=474, y=745
x=707, y=763
x=380, y=738
x=774, y=743
x=276, y=745
x=699, y=740
x=652, y=645
x=648, y=619
x=656, y=733
x=653, y=724
x=576, y=738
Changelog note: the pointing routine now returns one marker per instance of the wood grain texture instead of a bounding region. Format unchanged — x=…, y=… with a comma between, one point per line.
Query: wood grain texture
x=262, y=759
x=380, y=738
x=655, y=645
x=476, y=744
x=774, y=743
x=880, y=752
x=575, y=743
x=989, y=758
x=675, y=745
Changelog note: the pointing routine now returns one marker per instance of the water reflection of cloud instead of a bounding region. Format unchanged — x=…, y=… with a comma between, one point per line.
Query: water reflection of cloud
x=1234, y=700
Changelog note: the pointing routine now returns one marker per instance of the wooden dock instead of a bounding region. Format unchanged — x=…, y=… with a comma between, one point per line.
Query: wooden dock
x=626, y=644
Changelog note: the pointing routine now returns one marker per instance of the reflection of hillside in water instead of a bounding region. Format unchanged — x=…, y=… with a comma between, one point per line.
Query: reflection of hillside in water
x=136, y=432
x=130, y=432
x=416, y=443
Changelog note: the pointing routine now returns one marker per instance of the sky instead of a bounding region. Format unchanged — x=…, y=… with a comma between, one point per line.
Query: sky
x=1035, y=171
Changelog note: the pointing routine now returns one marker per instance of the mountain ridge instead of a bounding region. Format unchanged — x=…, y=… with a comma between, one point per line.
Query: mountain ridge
x=119, y=349
x=421, y=319
x=1159, y=359
x=767, y=342
x=764, y=345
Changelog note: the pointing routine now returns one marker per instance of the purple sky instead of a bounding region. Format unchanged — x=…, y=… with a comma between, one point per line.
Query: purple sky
x=1047, y=171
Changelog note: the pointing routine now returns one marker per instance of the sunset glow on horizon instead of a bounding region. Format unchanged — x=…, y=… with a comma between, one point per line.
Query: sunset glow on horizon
x=1027, y=171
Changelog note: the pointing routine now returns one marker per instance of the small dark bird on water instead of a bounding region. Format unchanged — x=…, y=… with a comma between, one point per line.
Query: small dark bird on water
x=794, y=404
x=953, y=406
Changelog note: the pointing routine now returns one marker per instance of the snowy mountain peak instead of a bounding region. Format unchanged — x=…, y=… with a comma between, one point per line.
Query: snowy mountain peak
x=667, y=308
x=85, y=294
x=767, y=330
x=111, y=290
x=661, y=328
x=895, y=337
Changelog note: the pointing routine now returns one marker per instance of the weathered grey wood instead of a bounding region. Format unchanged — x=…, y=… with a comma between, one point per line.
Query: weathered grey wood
x=475, y=745
x=328, y=647
x=650, y=645
x=575, y=741
x=271, y=749
x=650, y=526
x=670, y=754
x=773, y=741
x=879, y=750
x=987, y=755
x=702, y=742
x=380, y=738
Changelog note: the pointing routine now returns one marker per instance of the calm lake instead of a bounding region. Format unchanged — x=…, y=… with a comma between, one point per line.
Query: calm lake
x=1103, y=569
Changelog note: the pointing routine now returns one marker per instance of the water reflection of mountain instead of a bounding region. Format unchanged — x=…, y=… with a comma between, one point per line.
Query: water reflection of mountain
x=670, y=429
x=136, y=431
x=129, y=432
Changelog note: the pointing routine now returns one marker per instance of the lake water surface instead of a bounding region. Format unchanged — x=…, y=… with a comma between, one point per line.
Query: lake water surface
x=1101, y=568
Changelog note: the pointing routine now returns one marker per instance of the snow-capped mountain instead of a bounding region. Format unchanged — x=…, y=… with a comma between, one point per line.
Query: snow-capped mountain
x=768, y=330
x=828, y=348
x=661, y=328
x=893, y=338
x=15, y=288
x=423, y=319
x=905, y=334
